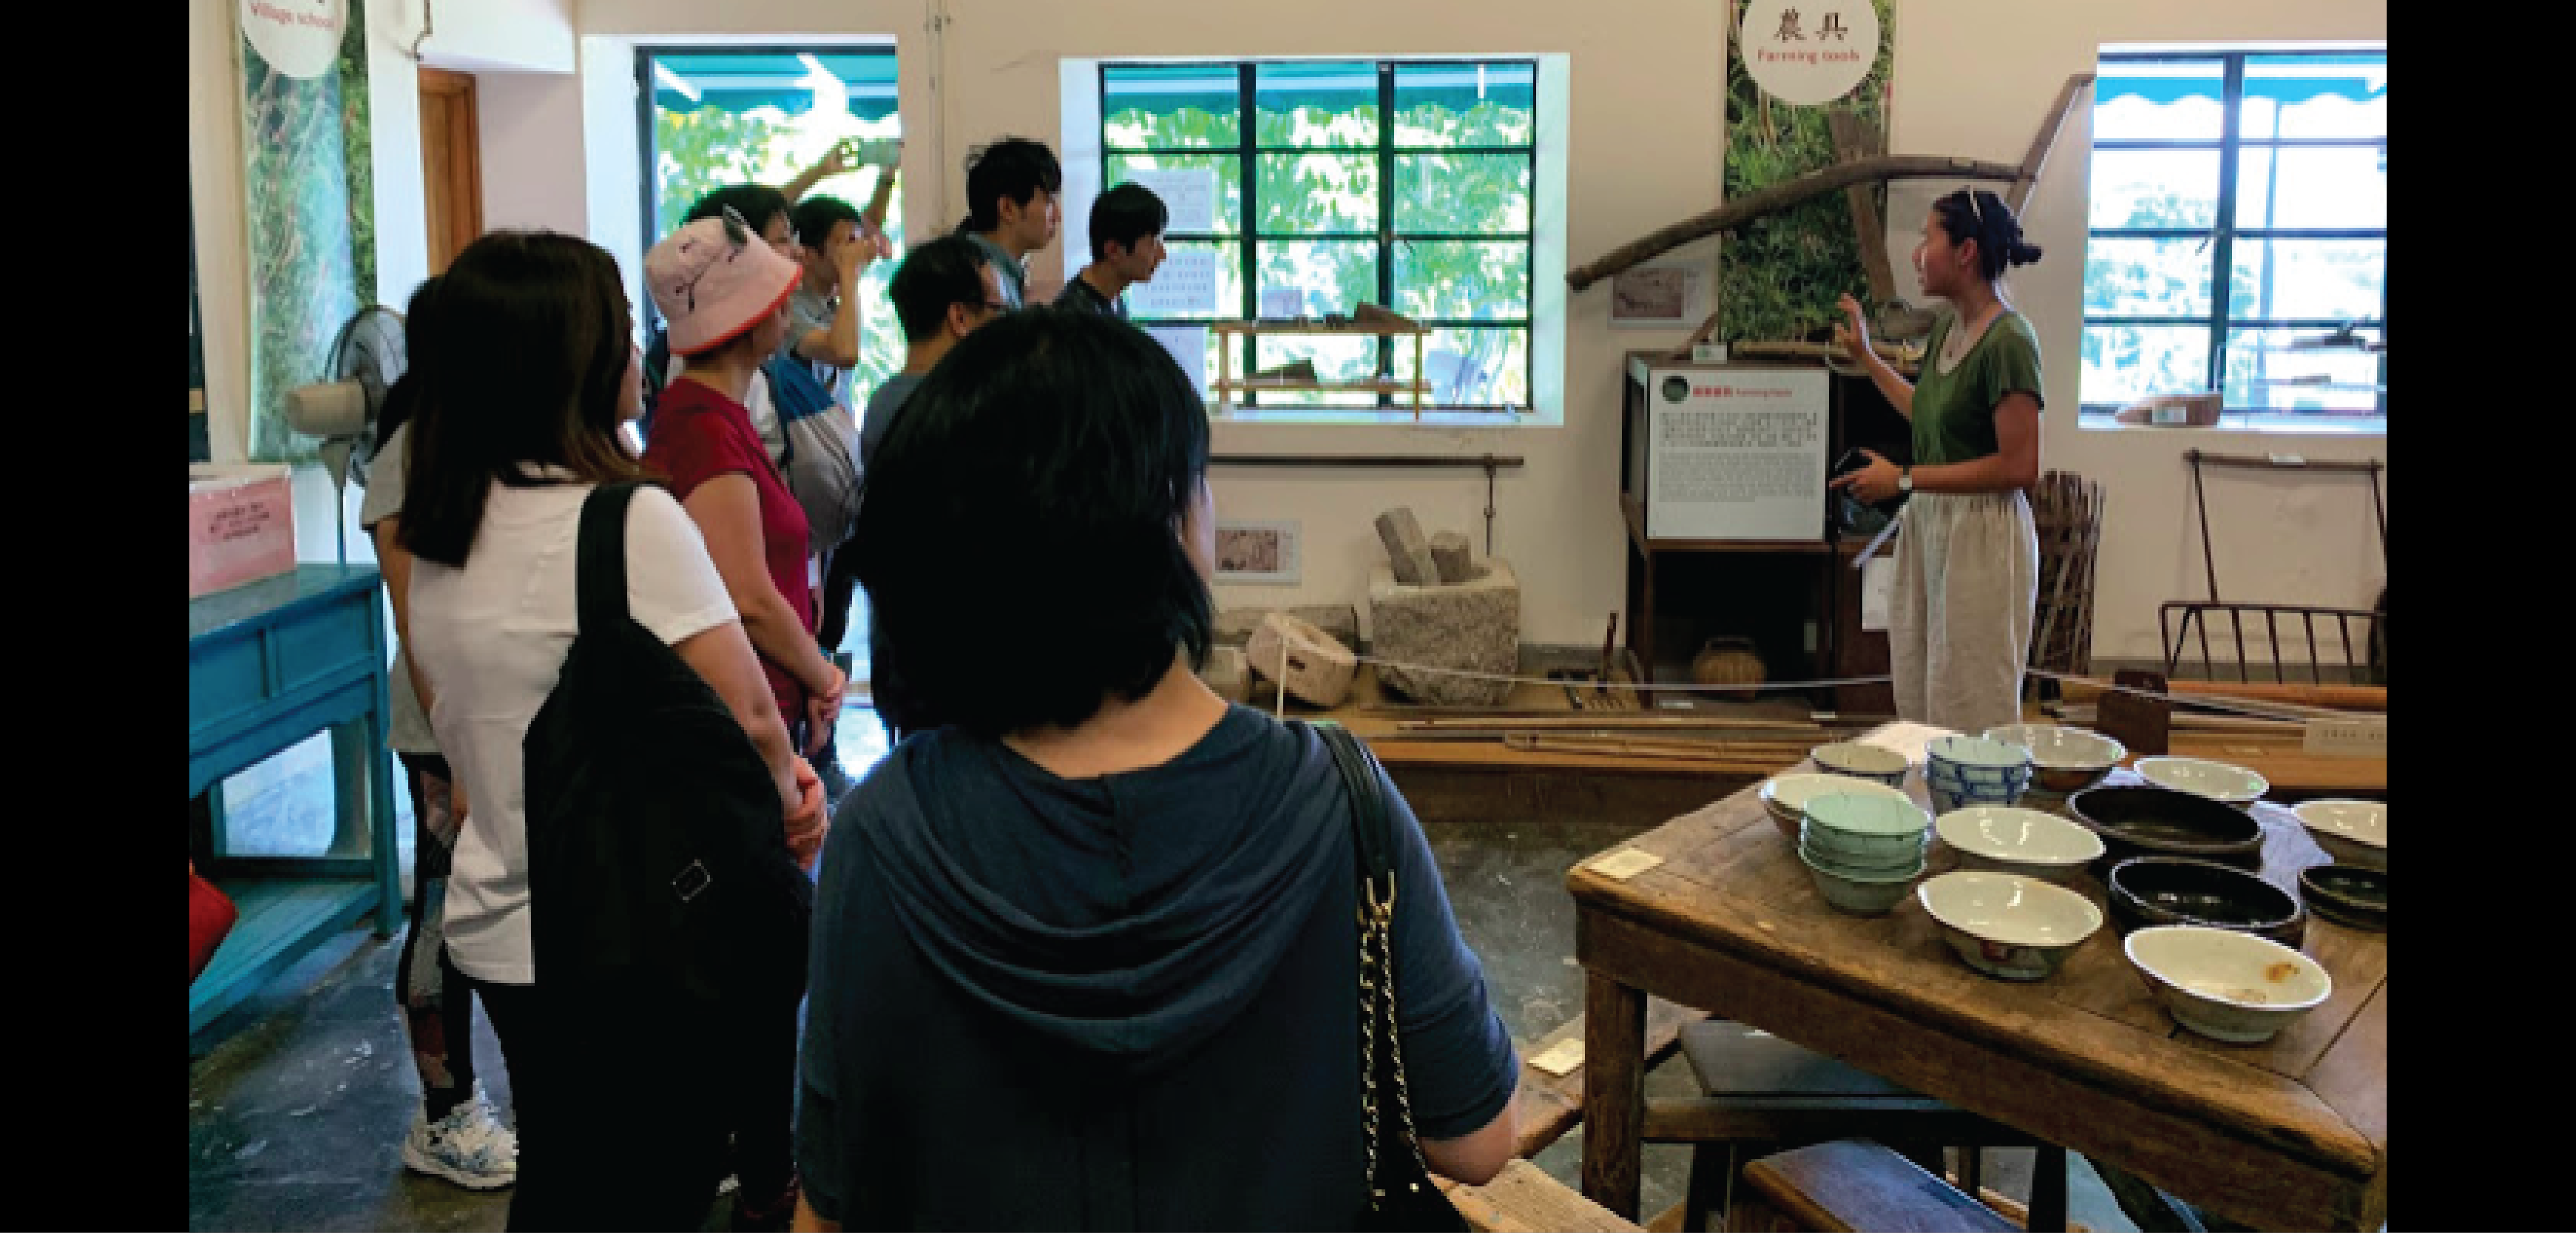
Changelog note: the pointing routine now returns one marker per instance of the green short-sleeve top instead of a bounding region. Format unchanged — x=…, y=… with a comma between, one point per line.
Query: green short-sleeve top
x=1954, y=412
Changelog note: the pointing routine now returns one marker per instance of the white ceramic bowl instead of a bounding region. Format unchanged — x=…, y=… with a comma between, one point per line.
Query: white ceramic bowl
x=2063, y=760
x=2216, y=780
x=2006, y=925
x=1788, y=794
x=2352, y=832
x=2025, y=841
x=2228, y=985
x=1875, y=763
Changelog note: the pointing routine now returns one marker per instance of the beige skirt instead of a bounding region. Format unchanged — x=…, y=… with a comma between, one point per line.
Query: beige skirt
x=1967, y=579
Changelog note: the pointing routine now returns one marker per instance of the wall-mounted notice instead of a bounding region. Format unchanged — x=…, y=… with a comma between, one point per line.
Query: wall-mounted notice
x=1739, y=453
x=1188, y=192
x=1184, y=286
x=1188, y=344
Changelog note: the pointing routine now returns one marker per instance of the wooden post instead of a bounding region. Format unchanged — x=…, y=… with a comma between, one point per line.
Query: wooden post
x=1614, y=1092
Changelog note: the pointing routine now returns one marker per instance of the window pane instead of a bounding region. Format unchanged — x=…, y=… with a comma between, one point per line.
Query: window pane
x=2312, y=186
x=1229, y=283
x=1472, y=367
x=2155, y=188
x=1466, y=104
x=2124, y=363
x=1332, y=276
x=2146, y=278
x=1317, y=104
x=1335, y=359
x=1462, y=194
x=1317, y=193
x=2315, y=96
x=2299, y=280
x=1156, y=105
x=1477, y=280
x=2162, y=100
x=2264, y=375
x=1226, y=168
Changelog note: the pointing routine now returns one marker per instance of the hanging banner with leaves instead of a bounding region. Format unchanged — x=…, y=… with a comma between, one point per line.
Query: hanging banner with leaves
x=1793, y=67
x=309, y=196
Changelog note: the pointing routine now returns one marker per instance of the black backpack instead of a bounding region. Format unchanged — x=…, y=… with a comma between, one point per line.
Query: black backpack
x=658, y=870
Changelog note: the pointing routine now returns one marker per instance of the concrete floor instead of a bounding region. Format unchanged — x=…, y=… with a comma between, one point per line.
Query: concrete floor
x=295, y=1119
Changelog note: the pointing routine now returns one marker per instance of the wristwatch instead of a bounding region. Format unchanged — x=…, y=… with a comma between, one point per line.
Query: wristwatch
x=1905, y=480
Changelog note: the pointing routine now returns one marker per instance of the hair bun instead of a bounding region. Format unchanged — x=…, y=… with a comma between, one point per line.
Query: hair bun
x=2020, y=253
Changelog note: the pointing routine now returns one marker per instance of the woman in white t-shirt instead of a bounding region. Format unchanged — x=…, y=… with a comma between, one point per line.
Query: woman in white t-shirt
x=523, y=395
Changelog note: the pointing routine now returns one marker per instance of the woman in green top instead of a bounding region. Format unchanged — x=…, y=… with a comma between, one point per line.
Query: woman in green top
x=1967, y=565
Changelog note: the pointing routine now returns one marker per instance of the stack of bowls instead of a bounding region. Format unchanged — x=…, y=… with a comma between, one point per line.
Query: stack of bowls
x=1784, y=797
x=2063, y=760
x=1874, y=763
x=1971, y=770
x=1863, y=849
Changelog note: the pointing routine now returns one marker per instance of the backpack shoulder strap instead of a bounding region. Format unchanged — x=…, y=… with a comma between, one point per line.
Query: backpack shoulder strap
x=599, y=558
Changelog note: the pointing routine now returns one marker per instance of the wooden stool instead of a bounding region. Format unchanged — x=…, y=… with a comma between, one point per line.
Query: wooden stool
x=1524, y=1199
x=1762, y=1094
x=1849, y=1185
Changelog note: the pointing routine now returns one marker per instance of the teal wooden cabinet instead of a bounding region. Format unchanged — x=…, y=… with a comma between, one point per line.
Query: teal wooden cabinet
x=270, y=664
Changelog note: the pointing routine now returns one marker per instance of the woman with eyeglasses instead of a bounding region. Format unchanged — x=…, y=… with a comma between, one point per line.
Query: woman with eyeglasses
x=1967, y=565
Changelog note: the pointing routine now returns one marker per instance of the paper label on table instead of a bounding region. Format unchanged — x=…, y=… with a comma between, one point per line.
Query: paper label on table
x=1184, y=286
x=1911, y=739
x=1877, y=592
x=1188, y=192
x=1188, y=344
x=1561, y=1058
x=1738, y=453
x=2364, y=737
x=1626, y=863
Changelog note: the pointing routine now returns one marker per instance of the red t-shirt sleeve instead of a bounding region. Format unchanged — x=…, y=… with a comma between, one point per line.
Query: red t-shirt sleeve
x=691, y=446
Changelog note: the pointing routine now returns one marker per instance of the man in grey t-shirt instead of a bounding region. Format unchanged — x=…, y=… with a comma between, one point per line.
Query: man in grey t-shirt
x=1011, y=209
x=942, y=292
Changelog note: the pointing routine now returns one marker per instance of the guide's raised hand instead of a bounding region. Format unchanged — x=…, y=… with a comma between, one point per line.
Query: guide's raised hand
x=1853, y=336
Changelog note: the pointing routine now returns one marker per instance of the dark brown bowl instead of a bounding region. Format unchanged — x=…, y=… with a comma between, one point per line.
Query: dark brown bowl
x=2174, y=890
x=2136, y=820
x=2347, y=895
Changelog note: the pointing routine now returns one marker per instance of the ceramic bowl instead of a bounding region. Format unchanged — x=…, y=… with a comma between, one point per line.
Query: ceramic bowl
x=1874, y=763
x=2062, y=759
x=1866, y=864
x=1976, y=760
x=2352, y=832
x=2233, y=785
x=2139, y=820
x=1865, y=871
x=2002, y=839
x=1949, y=795
x=2227, y=985
x=1874, y=828
x=2348, y=895
x=2171, y=890
x=1784, y=797
x=2006, y=925
x=1858, y=894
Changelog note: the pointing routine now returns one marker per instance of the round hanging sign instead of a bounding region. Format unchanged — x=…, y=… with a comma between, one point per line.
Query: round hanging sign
x=1809, y=51
x=298, y=38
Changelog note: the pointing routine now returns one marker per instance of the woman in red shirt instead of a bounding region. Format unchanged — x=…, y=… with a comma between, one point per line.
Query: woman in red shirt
x=725, y=294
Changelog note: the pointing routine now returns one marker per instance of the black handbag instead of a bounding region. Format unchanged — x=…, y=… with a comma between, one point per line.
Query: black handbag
x=1399, y=1192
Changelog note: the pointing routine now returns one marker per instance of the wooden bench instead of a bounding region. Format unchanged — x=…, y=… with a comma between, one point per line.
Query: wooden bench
x=1853, y=1185
x=1524, y=1199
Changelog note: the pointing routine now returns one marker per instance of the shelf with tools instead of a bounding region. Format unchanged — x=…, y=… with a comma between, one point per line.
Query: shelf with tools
x=1418, y=386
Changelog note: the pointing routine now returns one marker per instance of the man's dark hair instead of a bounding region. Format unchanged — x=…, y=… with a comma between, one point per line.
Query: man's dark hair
x=945, y=271
x=1014, y=167
x=1063, y=447
x=1125, y=215
x=523, y=371
x=814, y=217
x=757, y=203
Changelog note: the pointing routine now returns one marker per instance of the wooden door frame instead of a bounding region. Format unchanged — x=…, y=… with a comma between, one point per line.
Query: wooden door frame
x=462, y=143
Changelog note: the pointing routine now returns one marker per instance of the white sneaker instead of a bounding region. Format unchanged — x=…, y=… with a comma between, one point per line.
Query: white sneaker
x=469, y=1146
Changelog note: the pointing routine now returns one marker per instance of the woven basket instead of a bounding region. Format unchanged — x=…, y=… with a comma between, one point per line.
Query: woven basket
x=1729, y=661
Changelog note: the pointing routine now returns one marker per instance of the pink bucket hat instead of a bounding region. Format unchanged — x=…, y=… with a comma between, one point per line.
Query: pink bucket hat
x=714, y=280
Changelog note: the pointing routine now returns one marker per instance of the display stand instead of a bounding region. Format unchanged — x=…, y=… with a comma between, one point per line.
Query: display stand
x=1419, y=387
x=270, y=664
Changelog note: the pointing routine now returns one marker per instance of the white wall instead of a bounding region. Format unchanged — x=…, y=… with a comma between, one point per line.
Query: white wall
x=532, y=160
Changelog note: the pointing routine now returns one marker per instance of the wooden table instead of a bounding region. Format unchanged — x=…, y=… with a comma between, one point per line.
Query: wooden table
x=269, y=664
x=2289, y=1134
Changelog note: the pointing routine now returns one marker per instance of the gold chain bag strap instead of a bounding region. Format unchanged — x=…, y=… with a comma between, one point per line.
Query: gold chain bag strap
x=1400, y=1194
